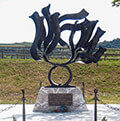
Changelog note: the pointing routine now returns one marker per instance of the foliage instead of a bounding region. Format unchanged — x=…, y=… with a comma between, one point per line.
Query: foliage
x=115, y=43
x=25, y=44
x=104, y=119
x=14, y=119
x=110, y=44
x=116, y=3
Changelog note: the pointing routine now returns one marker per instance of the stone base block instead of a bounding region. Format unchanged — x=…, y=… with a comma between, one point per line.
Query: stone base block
x=42, y=102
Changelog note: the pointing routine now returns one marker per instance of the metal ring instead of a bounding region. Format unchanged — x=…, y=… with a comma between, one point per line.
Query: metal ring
x=53, y=84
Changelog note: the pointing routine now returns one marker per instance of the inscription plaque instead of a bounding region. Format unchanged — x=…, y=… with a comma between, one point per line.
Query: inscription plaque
x=60, y=99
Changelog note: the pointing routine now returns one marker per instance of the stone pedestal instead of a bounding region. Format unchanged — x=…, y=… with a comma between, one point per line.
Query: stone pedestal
x=74, y=99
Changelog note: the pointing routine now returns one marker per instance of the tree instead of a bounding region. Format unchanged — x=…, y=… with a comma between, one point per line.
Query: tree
x=116, y=3
x=115, y=43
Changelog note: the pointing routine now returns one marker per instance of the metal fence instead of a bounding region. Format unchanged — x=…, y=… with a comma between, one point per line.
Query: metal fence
x=24, y=100
x=59, y=52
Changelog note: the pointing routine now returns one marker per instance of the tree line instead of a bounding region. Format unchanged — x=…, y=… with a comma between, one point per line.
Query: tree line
x=110, y=44
x=106, y=44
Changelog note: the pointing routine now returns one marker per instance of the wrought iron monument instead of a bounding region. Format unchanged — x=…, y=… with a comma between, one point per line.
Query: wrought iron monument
x=83, y=51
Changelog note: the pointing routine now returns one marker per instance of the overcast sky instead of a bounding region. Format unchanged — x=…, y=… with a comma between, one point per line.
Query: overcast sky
x=16, y=26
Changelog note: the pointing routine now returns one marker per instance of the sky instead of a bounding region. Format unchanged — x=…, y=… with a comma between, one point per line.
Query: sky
x=16, y=26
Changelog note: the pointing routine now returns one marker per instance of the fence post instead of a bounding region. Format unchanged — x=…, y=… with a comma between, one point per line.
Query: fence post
x=23, y=92
x=24, y=52
x=2, y=53
x=83, y=89
x=16, y=53
x=95, y=98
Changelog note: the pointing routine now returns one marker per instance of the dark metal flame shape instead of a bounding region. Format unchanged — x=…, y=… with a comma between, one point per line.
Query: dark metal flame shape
x=83, y=50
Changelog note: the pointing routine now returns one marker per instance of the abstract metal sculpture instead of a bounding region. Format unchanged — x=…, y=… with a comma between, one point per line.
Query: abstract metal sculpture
x=84, y=50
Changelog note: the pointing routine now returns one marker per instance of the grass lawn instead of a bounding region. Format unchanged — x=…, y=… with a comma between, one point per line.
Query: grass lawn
x=16, y=74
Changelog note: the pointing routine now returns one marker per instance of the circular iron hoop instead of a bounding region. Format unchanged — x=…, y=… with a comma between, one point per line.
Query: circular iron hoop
x=53, y=84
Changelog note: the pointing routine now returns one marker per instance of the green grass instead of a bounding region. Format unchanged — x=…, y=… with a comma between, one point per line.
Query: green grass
x=16, y=74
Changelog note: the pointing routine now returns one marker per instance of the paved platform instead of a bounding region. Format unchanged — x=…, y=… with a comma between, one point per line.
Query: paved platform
x=103, y=111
